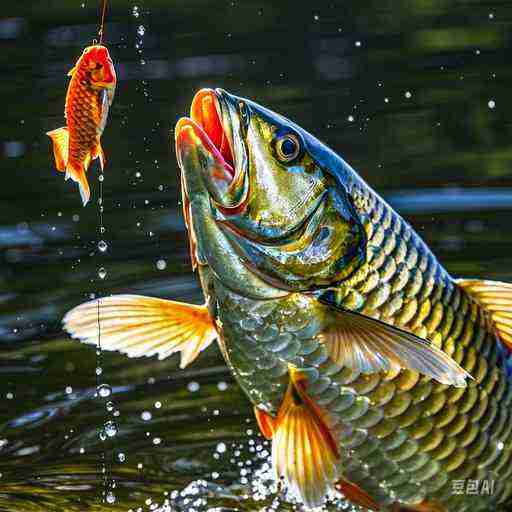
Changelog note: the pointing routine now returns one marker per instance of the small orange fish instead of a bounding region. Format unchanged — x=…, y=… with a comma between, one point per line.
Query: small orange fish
x=88, y=99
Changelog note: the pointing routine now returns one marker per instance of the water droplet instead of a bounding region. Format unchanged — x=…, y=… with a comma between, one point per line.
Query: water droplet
x=102, y=273
x=110, y=497
x=110, y=428
x=102, y=245
x=104, y=390
x=146, y=415
x=193, y=386
x=161, y=264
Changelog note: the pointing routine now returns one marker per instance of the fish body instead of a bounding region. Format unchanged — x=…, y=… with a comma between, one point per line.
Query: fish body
x=370, y=368
x=89, y=96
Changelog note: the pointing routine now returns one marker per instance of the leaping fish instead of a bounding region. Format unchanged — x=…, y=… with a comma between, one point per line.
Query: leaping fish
x=370, y=368
x=88, y=100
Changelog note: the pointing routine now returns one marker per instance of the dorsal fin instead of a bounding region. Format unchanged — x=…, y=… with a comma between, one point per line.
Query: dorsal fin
x=495, y=297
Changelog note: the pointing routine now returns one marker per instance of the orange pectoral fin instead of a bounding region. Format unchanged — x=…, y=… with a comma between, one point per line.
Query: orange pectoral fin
x=143, y=326
x=356, y=495
x=304, y=451
x=60, y=140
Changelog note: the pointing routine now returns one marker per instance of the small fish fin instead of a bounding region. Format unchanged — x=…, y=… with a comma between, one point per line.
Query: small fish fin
x=424, y=506
x=304, y=451
x=77, y=172
x=357, y=495
x=99, y=153
x=266, y=422
x=60, y=140
x=71, y=72
x=143, y=326
x=495, y=297
x=83, y=187
x=369, y=345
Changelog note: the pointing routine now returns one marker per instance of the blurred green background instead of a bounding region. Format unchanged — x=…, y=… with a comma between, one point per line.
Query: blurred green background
x=414, y=94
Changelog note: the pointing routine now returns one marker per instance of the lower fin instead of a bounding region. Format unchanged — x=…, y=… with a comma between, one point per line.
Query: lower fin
x=143, y=326
x=495, y=297
x=357, y=495
x=60, y=140
x=265, y=421
x=304, y=451
x=369, y=345
x=99, y=153
x=77, y=172
x=424, y=506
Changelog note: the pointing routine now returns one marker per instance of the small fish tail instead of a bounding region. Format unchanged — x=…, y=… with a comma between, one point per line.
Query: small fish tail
x=77, y=172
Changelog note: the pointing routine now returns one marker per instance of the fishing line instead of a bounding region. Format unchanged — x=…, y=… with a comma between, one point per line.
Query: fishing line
x=107, y=496
x=101, y=28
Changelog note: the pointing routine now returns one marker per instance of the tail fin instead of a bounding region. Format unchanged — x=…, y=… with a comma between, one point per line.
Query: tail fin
x=60, y=139
x=99, y=153
x=76, y=172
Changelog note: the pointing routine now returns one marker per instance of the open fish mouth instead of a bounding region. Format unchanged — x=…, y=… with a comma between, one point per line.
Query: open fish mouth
x=212, y=125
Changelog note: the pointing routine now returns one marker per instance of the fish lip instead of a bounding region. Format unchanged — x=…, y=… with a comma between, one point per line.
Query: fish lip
x=213, y=116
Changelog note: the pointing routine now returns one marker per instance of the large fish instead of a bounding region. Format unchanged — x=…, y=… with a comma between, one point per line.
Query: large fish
x=370, y=368
x=88, y=100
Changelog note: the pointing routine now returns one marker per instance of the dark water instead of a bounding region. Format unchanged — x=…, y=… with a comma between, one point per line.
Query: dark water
x=415, y=94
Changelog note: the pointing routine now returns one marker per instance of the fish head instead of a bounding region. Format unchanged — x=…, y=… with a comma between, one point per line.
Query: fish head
x=269, y=190
x=99, y=66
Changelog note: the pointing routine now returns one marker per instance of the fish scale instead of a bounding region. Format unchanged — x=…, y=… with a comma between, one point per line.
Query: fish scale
x=402, y=436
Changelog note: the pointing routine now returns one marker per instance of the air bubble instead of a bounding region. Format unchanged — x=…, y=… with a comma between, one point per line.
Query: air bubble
x=99, y=369
x=491, y=104
x=141, y=30
x=146, y=416
x=109, y=406
x=102, y=245
x=102, y=273
x=121, y=457
x=101, y=177
x=161, y=264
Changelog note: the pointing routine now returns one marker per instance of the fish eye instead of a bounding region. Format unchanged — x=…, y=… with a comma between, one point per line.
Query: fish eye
x=288, y=148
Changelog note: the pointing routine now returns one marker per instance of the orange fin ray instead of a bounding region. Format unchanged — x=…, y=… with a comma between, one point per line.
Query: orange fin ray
x=60, y=140
x=370, y=345
x=357, y=495
x=99, y=153
x=143, y=326
x=265, y=421
x=304, y=451
x=495, y=297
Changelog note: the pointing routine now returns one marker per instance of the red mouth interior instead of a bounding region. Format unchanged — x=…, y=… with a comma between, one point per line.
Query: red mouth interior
x=205, y=113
